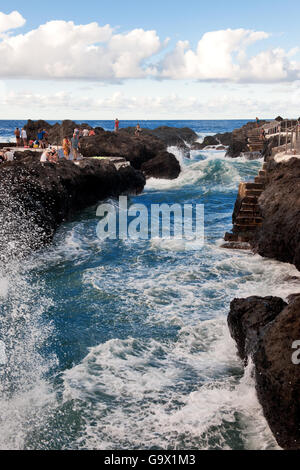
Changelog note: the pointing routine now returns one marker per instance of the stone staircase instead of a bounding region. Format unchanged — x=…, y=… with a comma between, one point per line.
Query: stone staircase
x=249, y=217
x=255, y=142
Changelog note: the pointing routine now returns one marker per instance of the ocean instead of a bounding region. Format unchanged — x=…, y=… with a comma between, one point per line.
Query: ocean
x=124, y=344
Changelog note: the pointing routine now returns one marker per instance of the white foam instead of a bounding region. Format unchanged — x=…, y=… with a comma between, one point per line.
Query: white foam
x=3, y=357
x=3, y=287
x=151, y=402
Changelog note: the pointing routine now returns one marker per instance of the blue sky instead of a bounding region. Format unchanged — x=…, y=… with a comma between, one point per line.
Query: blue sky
x=241, y=59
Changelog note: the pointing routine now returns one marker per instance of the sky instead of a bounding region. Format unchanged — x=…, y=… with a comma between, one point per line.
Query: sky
x=161, y=59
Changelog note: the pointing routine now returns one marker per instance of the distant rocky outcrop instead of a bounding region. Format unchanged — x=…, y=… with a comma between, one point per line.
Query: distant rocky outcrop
x=150, y=146
x=266, y=330
x=171, y=136
x=142, y=152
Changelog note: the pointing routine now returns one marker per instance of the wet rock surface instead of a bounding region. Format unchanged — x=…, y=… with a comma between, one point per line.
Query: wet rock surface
x=247, y=319
x=279, y=235
x=266, y=329
x=146, y=153
x=36, y=198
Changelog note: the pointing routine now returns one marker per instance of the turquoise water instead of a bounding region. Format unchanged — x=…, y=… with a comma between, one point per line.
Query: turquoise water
x=124, y=345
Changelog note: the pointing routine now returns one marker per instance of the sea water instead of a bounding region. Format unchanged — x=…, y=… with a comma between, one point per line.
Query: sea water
x=124, y=344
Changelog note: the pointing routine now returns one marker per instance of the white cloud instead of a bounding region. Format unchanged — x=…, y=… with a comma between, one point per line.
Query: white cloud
x=63, y=50
x=11, y=21
x=229, y=105
x=221, y=56
x=60, y=49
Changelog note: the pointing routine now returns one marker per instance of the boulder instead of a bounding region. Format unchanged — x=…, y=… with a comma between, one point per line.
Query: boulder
x=236, y=148
x=248, y=318
x=136, y=150
x=267, y=329
x=164, y=165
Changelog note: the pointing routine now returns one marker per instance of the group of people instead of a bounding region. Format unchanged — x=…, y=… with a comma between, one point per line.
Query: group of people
x=70, y=147
x=41, y=140
x=21, y=137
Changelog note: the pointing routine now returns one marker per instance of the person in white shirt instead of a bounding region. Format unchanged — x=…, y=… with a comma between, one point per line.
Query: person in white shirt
x=24, y=137
x=85, y=133
x=9, y=156
x=45, y=156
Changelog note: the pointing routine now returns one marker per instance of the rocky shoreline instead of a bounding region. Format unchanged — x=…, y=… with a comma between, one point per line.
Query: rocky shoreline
x=35, y=199
x=267, y=329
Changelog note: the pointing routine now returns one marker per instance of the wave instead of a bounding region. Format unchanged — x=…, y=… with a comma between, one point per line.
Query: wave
x=160, y=395
x=210, y=169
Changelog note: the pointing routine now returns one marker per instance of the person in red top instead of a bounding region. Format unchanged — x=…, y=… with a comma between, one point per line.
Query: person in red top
x=117, y=123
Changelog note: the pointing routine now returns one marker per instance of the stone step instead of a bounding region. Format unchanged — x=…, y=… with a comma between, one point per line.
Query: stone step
x=237, y=228
x=253, y=200
x=249, y=220
x=255, y=186
x=249, y=213
x=251, y=208
x=246, y=213
x=260, y=180
x=238, y=237
x=254, y=193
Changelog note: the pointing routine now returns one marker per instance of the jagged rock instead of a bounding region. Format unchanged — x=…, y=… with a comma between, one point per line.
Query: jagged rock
x=171, y=136
x=266, y=329
x=269, y=144
x=35, y=198
x=279, y=235
x=236, y=148
x=136, y=150
x=28, y=156
x=248, y=318
x=32, y=128
x=278, y=378
x=251, y=155
x=151, y=145
x=164, y=165
x=209, y=140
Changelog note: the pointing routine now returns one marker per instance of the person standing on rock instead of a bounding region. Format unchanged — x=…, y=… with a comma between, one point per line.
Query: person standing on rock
x=85, y=133
x=40, y=138
x=75, y=146
x=24, y=137
x=66, y=145
x=18, y=139
x=117, y=123
x=138, y=131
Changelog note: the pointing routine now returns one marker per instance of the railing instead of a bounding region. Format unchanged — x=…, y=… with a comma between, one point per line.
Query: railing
x=286, y=133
